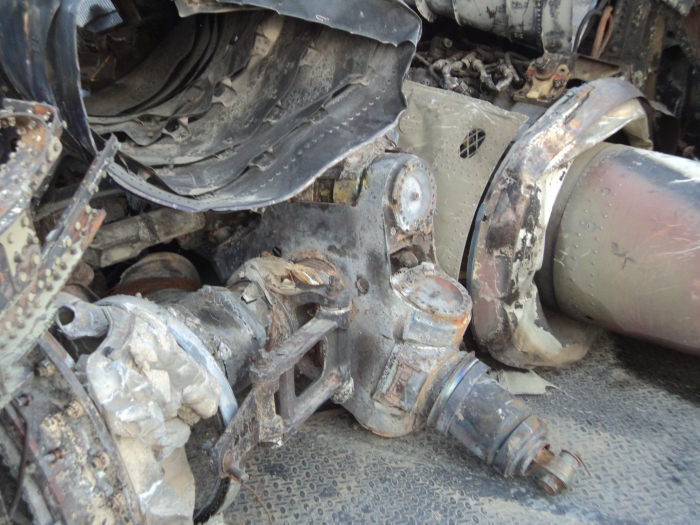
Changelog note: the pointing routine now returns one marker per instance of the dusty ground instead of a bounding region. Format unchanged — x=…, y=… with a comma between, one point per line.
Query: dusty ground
x=632, y=411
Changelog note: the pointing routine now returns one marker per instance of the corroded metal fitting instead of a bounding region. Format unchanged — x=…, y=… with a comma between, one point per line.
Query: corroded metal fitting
x=499, y=428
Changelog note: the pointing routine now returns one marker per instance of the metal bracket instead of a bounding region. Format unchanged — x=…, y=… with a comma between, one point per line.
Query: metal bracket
x=260, y=418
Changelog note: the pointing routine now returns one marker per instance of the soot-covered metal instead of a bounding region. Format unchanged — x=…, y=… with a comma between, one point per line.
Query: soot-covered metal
x=219, y=217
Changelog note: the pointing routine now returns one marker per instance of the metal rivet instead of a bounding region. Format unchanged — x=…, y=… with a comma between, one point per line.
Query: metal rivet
x=74, y=409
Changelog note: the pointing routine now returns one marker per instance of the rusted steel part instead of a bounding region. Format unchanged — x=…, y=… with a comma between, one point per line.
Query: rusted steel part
x=151, y=285
x=497, y=427
x=75, y=459
x=30, y=311
x=38, y=129
x=258, y=419
x=126, y=239
x=509, y=244
x=627, y=249
x=114, y=467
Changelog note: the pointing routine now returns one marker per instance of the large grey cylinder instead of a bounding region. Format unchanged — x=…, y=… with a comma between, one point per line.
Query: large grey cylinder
x=548, y=24
x=626, y=250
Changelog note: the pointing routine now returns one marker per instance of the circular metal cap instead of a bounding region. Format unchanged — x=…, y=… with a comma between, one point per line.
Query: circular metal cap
x=414, y=195
x=433, y=291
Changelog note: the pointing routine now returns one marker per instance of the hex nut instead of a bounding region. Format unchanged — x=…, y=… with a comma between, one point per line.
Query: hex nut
x=45, y=368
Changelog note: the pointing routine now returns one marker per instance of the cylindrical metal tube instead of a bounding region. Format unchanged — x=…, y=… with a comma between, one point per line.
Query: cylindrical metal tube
x=627, y=249
x=549, y=25
x=498, y=428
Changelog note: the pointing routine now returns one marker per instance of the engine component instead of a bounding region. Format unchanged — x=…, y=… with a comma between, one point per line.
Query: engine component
x=152, y=379
x=546, y=25
x=78, y=471
x=546, y=80
x=158, y=272
x=513, y=443
x=223, y=105
x=508, y=247
x=462, y=139
x=33, y=275
x=407, y=355
x=479, y=72
x=334, y=285
x=628, y=216
x=126, y=239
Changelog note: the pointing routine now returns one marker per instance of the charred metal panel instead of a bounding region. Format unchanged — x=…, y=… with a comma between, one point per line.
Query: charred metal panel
x=509, y=244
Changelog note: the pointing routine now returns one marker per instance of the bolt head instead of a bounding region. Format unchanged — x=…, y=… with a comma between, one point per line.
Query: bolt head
x=45, y=368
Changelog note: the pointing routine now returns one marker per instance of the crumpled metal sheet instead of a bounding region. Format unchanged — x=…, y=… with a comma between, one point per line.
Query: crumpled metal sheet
x=510, y=234
x=254, y=94
x=364, y=111
x=181, y=46
x=326, y=67
x=234, y=38
x=261, y=120
x=150, y=391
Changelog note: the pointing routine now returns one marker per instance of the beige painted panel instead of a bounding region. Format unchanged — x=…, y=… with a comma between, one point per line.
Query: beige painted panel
x=434, y=127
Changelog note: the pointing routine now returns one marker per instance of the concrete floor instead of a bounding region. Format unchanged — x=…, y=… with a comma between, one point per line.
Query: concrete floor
x=631, y=410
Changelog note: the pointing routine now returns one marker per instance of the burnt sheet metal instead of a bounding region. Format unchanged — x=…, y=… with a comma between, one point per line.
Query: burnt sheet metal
x=627, y=248
x=32, y=275
x=155, y=101
x=73, y=455
x=388, y=21
x=326, y=67
x=150, y=390
x=41, y=62
x=233, y=37
x=363, y=112
x=546, y=24
x=463, y=139
x=509, y=245
x=23, y=54
x=252, y=96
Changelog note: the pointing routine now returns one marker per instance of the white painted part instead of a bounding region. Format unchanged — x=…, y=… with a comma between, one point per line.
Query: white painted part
x=688, y=169
x=523, y=383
